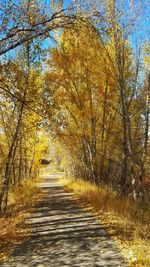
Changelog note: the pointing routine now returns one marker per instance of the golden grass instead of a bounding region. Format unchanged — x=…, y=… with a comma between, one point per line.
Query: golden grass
x=12, y=226
x=122, y=218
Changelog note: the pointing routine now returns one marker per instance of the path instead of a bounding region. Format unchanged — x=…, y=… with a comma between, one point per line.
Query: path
x=64, y=234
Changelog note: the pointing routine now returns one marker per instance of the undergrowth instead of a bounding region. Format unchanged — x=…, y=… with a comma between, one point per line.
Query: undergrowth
x=126, y=223
x=13, y=229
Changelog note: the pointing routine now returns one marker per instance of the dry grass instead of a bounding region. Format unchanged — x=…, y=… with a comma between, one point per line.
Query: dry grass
x=12, y=227
x=122, y=218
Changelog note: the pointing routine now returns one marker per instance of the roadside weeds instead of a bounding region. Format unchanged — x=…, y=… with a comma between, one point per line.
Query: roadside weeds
x=13, y=229
x=123, y=220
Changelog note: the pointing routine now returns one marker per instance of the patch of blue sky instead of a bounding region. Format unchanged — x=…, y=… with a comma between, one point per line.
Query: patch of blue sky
x=140, y=33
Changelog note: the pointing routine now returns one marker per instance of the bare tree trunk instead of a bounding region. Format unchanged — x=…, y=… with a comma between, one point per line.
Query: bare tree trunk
x=103, y=130
x=32, y=161
x=20, y=160
x=146, y=136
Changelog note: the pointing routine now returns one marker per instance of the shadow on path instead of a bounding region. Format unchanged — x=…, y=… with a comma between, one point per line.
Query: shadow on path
x=63, y=234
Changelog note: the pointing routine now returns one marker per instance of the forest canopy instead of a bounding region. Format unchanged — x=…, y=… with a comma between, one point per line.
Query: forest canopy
x=72, y=70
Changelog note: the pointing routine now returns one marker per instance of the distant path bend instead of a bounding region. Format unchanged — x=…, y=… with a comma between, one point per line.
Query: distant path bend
x=64, y=234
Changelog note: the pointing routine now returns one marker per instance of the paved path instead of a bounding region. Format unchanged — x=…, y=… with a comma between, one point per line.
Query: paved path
x=64, y=234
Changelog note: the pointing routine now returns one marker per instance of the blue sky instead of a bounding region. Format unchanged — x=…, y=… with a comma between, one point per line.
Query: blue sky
x=143, y=23
x=141, y=32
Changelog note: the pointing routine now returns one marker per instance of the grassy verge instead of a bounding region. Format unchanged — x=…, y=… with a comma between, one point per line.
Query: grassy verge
x=122, y=218
x=13, y=230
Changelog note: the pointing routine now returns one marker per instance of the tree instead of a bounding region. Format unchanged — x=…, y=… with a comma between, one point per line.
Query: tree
x=94, y=80
x=21, y=115
x=23, y=21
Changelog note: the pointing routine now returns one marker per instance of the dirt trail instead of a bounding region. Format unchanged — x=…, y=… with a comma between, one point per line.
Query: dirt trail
x=63, y=234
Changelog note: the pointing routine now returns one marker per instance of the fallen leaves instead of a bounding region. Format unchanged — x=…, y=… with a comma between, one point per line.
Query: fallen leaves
x=131, y=236
x=13, y=230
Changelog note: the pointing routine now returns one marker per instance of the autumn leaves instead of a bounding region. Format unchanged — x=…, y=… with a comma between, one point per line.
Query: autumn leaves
x=91, y=97
x=100, y=103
